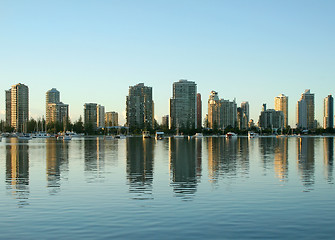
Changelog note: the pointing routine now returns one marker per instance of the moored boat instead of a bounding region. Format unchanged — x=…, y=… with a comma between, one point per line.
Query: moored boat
x=231, y=135
x=146, y=134
x=159, y=135
x=198, y=135
x=252, y=134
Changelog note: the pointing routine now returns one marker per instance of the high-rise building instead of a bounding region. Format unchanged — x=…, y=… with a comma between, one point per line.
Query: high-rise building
x=281, y=104
x=221, y=113
x=56, y=111
x=244, y=120
x=52, y=96
x=165, y=121
x=199, y=110
x=239, y=117
x=111, y=119
x=213, y=110
x=271, y=119
x=100, y=116
x=140, y=107
x=183, y=105
x=19, y=107
x=90, y=114
x=8, y=107
x=305, y=110
x=328, y=112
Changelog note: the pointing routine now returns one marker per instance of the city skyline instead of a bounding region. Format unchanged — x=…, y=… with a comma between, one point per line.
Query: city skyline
x=251, y=52
x=54, y=95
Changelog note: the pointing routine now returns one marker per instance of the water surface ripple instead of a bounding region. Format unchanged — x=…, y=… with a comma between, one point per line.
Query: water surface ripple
x=208, y=188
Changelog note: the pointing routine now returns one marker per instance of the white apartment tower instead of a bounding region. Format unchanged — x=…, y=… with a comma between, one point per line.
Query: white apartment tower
x=281, y=104
x=100, y=116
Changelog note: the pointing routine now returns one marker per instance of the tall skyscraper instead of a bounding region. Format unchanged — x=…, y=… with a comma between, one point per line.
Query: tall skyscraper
x=19, y=107
x=111, y=119
x=100, y=116
x=244, y=115
x=221, y=113
x=305, y=110
x=183, y=105
x=165, y=121
x=328, y=112
x=281, y=104
x=199, y=111
x=56, y=111
x=8, y=107
x=90, y=114
x=52, y=96
x=213, y=110
x=140, y=107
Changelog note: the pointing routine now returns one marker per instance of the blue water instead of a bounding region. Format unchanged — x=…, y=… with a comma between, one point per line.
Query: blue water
x=210, y=188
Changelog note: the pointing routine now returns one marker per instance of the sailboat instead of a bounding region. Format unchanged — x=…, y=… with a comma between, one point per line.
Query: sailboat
x=24, y=135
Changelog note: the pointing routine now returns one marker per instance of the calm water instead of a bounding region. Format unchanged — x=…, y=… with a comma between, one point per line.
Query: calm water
x=209, y=188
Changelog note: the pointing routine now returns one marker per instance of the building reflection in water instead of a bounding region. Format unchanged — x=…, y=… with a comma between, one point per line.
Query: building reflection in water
x=281, y=158
x=328, y=154
x=306, y=165
x=140, y=165
x=17, y=170
x=185, y=158
x=57, y=160
x=94, y=155
x=227, y=157
x=267, y=146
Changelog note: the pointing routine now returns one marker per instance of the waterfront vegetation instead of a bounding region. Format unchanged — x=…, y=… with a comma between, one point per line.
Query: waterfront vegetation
x=78, y=126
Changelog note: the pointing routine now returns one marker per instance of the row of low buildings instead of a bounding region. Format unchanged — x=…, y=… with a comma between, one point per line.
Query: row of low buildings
x=185, y=110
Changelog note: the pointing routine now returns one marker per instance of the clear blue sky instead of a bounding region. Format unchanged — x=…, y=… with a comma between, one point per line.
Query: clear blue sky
x=92, y=51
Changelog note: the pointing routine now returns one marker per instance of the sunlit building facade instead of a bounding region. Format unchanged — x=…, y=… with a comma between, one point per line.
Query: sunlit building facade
x=271, y=119
x=19, y=107
x=100, y=116
x=281, y=104
x=111, y=119
x=8, y=107
x=221, y=113
x=199, y=111
x=328, y=112
x=305, y=111
x=244, y=120
x=56, y=111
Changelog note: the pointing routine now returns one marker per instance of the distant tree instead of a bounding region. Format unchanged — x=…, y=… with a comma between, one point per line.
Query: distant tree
x=78, y=126
x=31, y=125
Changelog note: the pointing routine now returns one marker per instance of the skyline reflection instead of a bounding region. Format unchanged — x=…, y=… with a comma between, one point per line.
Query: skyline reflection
x=57, y=159
x=17, y=170
x=305, y=159
x=328, y=156
x=94, y=157
x=187, y=161
x=227, y=157
x=184, y=167
x=140, y=167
